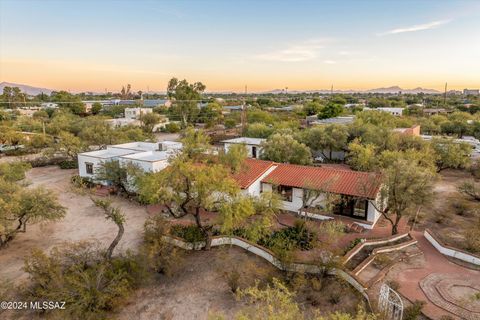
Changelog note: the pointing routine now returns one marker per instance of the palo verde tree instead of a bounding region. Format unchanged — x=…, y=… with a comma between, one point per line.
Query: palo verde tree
x=192, y=183
x=451, y=154
x=326, y=139
x=285, y=149
x=185, y=97
x=122, y=176
x=20, y=207
x=406, y=186
x=116, y=215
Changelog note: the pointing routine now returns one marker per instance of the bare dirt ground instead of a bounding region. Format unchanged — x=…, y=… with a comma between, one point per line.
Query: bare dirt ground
x=83, y=221
x=451, y=213
x=200, y=289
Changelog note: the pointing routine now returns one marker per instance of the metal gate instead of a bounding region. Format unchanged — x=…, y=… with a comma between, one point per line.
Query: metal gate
x=390, y=303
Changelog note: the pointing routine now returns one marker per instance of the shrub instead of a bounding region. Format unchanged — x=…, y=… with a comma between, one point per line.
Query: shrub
x=233, y=279
x=472, y=237
x=161, y=256
x=299, y=236
x=172, y=127
x=80, y=275
x=191, y=233
x=68, y=164
x=334, y=297
x=81, y=182
x=393, y=284
x=414, y=311
x=352, y=244
x=460, y=207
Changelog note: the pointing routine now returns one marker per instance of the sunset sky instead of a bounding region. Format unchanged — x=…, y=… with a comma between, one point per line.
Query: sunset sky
x=96, y=45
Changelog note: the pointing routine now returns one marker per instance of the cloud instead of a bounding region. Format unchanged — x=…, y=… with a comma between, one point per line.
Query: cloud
x=329, y=61
x=305, y=51
x=418, y=27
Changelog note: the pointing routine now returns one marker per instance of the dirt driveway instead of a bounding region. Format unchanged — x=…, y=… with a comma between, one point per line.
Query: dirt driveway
x=83, y=221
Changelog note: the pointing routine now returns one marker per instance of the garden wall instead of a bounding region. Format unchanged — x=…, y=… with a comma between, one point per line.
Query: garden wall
x=269, y=256
x=450, y=251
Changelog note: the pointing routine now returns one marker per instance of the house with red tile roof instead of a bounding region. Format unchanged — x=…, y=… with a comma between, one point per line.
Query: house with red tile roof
x=357, y=194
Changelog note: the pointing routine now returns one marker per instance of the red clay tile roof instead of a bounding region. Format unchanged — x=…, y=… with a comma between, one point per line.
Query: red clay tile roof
x=251, y=171
x=348, y=182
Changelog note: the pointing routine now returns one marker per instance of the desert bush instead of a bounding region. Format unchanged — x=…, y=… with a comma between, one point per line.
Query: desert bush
x=190, y=233
x=81, y=182
x=67, y=164
x=160, y=255
x=460, y=207
x=299, y=237
x=382, y=260
x=352, y=244
x=172, y=127
x=80, y=275
x=413, y=311
x=393, y=284
x=334, y=297
x=233, y=279
x=472, y=237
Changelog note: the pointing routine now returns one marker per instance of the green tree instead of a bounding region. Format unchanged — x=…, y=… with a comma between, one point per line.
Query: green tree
x=68, y=146
x=211, y=114
x=123, y=177
x=20, y=206
x=185, y=97
x=450, y=154
x=68, y=101
x=96, y=108
x=326, y=139
x=116, y=215
x=312, y=108
x=285, y=149
x=406, y=186
x=258, y=130
x=331, y=110
x=362, y=157
x=149, y=120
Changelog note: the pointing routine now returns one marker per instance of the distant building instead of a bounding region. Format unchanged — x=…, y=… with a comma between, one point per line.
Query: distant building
x=313, y=120
x=474, y=92
x=392, y=111
x=253, y=145
x=434, y=111
x=136, y=113
x=51, y=105
x=152, y=103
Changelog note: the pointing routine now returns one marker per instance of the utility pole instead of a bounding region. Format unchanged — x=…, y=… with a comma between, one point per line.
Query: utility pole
x=445, y=96
x=244, y=114
x=331, y=90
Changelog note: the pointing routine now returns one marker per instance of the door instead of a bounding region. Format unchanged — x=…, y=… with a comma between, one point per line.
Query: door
x=254, y=152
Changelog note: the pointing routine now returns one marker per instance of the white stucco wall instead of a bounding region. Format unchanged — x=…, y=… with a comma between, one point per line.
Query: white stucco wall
x=249, y=149
x=451, y=252
x=255, y=188
x=82, y=170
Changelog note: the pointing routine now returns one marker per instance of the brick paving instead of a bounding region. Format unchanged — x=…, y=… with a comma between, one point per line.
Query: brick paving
x=435, y=263
x=438, y=288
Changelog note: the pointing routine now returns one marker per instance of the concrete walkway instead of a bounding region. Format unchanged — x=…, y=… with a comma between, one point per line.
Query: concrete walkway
x=435, y=262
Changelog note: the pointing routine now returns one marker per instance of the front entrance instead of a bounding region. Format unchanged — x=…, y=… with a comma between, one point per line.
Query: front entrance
x=254, y=152
x=351, y=207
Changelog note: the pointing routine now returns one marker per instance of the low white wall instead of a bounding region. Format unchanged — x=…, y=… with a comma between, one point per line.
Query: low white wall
x=451, y=252
x=263, y=253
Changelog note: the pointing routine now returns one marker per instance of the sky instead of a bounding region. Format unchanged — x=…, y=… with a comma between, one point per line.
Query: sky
x=86, y=45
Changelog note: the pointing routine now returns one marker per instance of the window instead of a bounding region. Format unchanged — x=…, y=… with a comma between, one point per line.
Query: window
x=89, y=167
x=360, y=209
x=285, y=192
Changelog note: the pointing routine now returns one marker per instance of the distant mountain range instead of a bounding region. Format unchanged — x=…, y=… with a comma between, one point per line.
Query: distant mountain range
x=394, y=89
x=25, y=88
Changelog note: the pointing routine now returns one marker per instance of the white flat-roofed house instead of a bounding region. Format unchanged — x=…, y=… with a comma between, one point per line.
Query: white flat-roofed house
x=149, y=156
x=89, y=162
x=136, y=113
x=253, y=145
x=393, y=111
